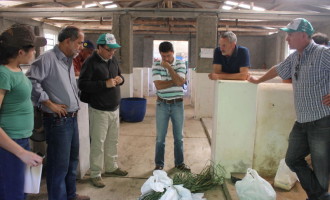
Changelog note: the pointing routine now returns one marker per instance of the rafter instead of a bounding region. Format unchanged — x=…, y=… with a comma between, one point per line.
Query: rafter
x=98, y=4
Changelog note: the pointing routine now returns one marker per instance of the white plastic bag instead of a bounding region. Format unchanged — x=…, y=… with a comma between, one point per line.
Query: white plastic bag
x=285, y=178
x=253, y=187
x=157, y=182
x=160, y=181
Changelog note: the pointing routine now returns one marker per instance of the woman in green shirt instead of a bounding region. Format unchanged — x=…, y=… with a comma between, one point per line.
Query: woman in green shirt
x=16, y=110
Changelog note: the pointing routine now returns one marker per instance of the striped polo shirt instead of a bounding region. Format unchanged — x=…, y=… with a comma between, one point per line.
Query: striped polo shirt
x=160, y=73
x=312, y=82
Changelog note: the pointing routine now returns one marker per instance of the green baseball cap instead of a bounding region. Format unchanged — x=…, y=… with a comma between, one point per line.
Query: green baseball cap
x=109, y=40
x=299, y=25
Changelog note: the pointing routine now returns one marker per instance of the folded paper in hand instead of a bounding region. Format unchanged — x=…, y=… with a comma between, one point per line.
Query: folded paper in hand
x=32, y=179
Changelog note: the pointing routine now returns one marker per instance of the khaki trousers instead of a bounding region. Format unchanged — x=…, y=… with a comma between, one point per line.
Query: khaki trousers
x=103, y=129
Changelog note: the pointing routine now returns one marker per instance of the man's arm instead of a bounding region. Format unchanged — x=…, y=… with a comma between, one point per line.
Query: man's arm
x=217, y=68
x=270, y=74
x=176, y=78
x=39, y=71
x=120, y=78
x=242, y=75
x=163, y=84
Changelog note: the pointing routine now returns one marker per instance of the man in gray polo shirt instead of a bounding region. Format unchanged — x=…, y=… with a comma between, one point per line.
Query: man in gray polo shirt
x=309, y=68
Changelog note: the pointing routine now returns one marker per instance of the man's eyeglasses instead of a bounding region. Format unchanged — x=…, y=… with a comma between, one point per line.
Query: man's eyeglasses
x=296, y=71
x=109, y=50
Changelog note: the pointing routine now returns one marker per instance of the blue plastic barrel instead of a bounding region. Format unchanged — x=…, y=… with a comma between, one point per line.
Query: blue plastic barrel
x=133, y=109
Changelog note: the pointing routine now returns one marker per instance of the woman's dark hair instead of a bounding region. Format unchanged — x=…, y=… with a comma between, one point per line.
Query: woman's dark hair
x=9, y=52
x=165, y=47
x=71, y=32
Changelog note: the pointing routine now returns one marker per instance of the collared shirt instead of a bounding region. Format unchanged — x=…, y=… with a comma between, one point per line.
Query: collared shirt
x=53, y=78
x=232, y=64
x=161, y=73
x=312, y=83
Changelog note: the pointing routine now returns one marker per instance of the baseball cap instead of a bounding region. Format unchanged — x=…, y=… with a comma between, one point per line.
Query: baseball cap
x=20, y=35
x=109, y=40
x=299, y=25
x=88, y=44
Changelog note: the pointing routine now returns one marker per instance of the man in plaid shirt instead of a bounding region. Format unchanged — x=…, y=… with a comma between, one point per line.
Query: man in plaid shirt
x=309, y=68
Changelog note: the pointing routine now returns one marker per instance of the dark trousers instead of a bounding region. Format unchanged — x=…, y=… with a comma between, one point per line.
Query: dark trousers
x=314, y=138
x=12, y=171
x=62, y=156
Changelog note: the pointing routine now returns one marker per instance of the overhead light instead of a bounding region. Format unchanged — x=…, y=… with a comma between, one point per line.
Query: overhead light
x=231, y=3
x=10, y=3
x=258, y=8
x=87, y=5
x=243, y=5
x=227, y=7
x=111, y=6
x=105, y=2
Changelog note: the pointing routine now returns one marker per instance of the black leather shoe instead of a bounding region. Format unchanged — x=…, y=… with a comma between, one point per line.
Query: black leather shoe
x=158, y=167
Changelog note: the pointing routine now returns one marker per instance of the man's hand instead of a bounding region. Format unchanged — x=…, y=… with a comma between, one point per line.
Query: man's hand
x=111, y=82
x=326, y=100
x=59, y=109
x=213, y=76
x=166, y=65
x=119, y=80
x=252, y=79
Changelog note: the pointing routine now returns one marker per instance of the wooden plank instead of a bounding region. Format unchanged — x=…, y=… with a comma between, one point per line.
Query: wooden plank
x=161, y=13
x=274, y=24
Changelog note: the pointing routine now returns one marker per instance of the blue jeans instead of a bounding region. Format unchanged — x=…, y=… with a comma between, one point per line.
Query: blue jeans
x=62, y=156
x=314, y=138
x=12, y=171
x=164, y=112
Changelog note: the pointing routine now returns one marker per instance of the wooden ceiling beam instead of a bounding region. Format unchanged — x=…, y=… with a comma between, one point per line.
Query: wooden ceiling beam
x=133, y=3
x=326, y=2
x=274, y=24
x=256, y=30
x=189, y=29
x=173, y=32
x=161, y=13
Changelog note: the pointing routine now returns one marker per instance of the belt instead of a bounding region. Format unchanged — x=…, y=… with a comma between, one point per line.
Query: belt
x=69, y=114
x=169, y=101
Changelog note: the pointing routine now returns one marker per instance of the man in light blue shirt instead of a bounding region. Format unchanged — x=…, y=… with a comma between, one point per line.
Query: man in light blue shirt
x=55, y=89
x=309, y=68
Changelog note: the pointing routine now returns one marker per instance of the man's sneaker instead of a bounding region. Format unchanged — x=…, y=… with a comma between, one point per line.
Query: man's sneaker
x=117, y=172
x=183, y=167
x=159, y=167
x=81, y=197
x=98, y=182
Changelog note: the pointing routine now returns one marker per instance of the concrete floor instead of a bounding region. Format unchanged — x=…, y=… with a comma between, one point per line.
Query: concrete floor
x=136, y=155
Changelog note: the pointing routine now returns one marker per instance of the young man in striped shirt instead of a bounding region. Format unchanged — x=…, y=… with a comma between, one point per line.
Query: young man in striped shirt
x=169, y=75
x=309, y=68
